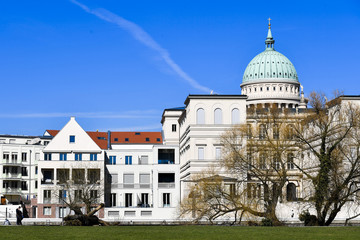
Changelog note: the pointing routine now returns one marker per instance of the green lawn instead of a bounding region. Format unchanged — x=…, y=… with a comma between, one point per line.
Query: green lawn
x=177, y=232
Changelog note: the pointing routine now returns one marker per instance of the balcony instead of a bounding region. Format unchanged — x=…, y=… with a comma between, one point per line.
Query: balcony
x=12, y=176
x=131, y=185
x=12, y=191
x=166, y=185
x=11, y=163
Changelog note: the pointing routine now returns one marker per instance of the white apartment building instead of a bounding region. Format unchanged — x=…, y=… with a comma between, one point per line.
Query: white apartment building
x=19, y=167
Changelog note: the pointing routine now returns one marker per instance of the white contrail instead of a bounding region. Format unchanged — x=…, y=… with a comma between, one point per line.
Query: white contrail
x=139, y=34
x=108, y=115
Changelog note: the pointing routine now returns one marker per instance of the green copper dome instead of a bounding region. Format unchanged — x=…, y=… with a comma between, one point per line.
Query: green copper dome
x=270, y=65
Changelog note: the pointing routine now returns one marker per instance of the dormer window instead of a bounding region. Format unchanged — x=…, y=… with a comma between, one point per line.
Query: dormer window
x=72, y=138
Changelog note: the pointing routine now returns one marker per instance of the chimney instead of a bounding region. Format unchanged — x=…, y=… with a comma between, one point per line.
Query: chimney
x=109, y=140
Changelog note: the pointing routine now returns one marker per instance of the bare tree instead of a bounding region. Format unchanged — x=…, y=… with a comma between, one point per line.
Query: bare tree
x=258, y=156
x=330, y=138
x=83, y=190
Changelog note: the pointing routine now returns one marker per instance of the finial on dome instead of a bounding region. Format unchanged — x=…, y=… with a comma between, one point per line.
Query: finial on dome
x=269, y=42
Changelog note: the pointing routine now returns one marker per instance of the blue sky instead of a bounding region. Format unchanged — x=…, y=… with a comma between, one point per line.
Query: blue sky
x=116, y=65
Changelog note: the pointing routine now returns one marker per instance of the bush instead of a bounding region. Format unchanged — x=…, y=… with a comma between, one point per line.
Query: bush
x=266, y=222
x=308, y=219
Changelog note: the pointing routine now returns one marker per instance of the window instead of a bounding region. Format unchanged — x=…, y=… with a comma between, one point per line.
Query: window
x=144, y=180
x=126, y=139
x=24, y=171
x=36, y=184
x=290, y=161
x=72, y=139
x=6, y=156
x=47, y=156
x=47, y=196
x=166, y=156
x=158, y=139
x=78, y=156
x=218, y=153
x=145, y=200
x=144, y=160
x=173, y=128
x=276, y=161
x=128, y=160
x=116, y=139
x=249, y=131
x=200, y=116
x=14, y=156
x=262, y=131
x=36, y=170
x=94, y=194
x=47, y=211
x=128, y=180
x=289, y=132
x=93, y=157
x=201, y=153
x=62, y=196
x=114, y=178
x=128, y=199
x=93, y=176
x=62, y=212
x=276, y=132
x=112, y=199
x=147, y=139
x=291, y=192
x=166, y=199
x=112, y=160
x=262, y=161
x=235, y=116
x=24, y=156
x=63, y=156
x=24, y=186
x=218, y=116
x=78, y=195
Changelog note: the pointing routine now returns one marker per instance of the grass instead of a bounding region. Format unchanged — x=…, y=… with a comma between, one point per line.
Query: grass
x=177, y=232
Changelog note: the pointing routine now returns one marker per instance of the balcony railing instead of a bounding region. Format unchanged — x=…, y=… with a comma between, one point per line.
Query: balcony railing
x=47, y=181
x=165, y=161
x=12, y=176
x=11, y=163
x=166, y=185
x=47, y=200
x=12, y=191
x=131, y=185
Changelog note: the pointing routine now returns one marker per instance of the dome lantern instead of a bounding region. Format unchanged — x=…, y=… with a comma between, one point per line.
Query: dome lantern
x=269, y=42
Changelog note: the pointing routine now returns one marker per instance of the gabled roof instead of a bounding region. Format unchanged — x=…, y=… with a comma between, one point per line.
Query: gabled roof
x=101, y=138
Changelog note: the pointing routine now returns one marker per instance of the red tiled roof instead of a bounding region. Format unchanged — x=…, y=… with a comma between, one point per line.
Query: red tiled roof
x=136, y=137
x=100, y=138
x=53, y=132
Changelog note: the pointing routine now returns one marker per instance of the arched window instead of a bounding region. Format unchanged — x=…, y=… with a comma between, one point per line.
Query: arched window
x=291, y=192
x=218, y=116
x=235, y=116
x=200, y=116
